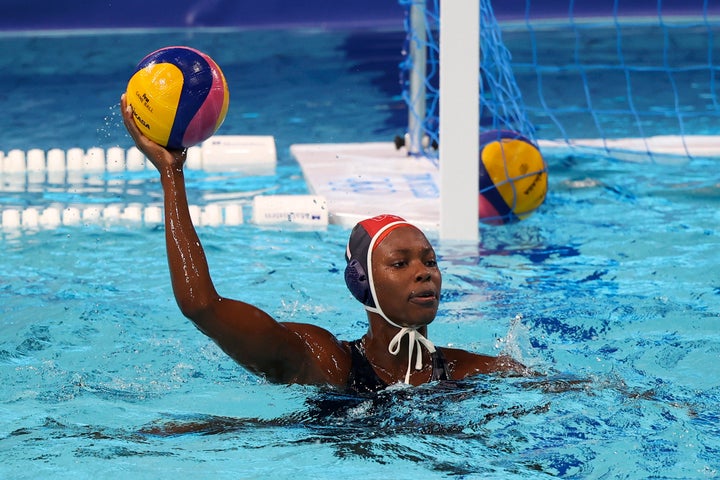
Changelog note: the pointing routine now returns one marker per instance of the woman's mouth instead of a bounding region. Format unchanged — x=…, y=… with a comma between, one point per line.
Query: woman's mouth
x=423, y=297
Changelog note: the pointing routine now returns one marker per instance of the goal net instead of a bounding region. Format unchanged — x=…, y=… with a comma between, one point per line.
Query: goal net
x=637, y=85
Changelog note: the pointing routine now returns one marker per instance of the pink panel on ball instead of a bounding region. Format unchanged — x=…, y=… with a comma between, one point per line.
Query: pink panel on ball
x=211, y=115
x=487, y=213
x=205, y=121
x=486, y=209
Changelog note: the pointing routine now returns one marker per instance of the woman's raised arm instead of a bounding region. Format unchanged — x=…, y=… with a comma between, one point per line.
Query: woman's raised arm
x=283, y=352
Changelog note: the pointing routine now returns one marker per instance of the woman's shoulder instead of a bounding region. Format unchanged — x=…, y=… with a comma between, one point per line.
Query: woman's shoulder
x=326, y=358
x=463, y=363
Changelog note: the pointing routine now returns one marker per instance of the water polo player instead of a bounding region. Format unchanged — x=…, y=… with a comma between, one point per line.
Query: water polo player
x=391, y=269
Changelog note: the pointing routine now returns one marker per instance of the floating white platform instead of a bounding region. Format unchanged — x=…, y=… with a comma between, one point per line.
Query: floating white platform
x=360, y=180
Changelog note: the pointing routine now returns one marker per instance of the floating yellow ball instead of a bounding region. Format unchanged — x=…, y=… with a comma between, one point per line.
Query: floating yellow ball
x=513, y=177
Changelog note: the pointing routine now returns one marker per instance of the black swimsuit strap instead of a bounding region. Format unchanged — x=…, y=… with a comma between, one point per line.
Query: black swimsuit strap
x=363, y=379
x=439, y=366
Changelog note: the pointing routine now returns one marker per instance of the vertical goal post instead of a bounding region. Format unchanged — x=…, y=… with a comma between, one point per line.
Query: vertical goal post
x=459, y=119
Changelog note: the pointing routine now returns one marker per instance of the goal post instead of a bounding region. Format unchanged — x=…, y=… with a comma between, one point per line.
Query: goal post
x=459, y=119
x=456, y=46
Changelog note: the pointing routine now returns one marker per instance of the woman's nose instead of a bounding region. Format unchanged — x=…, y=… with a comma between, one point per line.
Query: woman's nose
x=423, y=274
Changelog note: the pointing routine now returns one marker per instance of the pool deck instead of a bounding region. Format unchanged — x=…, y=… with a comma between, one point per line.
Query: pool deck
x=360, y=180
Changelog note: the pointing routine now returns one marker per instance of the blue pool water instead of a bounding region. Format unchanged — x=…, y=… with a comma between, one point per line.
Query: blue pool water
x=613, y=282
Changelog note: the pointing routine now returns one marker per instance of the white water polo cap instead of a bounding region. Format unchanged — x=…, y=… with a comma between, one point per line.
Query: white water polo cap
x=364, y=238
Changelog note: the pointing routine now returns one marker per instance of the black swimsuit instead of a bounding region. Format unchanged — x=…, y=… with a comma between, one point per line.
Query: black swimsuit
x=363, y=378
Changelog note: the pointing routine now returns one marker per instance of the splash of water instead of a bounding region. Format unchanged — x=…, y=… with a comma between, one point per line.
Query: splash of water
x=516, y=343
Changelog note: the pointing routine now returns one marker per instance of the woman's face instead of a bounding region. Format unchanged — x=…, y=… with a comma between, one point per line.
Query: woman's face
x=406, y=277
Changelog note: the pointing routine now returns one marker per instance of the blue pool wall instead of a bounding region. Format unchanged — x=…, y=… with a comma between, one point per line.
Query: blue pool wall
x=82, y=14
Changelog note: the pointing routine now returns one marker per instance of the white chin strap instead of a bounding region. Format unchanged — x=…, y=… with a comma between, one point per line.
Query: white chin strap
x=415, y=338
x=415, y=341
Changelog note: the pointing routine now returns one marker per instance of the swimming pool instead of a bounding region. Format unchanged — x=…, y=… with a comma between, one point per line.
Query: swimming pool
x=611, y=281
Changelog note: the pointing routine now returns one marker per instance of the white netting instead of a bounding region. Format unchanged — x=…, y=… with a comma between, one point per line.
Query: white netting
x=629, y=83
x=501, y=105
